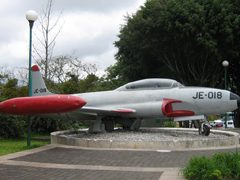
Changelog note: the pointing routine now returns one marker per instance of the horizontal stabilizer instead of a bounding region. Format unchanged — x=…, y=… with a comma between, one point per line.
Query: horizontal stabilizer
x=189, y=118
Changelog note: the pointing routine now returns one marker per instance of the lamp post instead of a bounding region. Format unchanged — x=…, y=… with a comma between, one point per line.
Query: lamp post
x=31, y=16
x=225, y=64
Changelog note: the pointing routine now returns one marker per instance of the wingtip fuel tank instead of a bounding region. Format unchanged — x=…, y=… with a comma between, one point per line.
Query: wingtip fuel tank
x=41, y=104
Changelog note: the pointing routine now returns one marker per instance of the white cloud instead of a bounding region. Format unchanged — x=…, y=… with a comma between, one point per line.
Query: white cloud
x=88, y=34
x=94, y=5
x=102, y=61
x=14, y=53
x=89, y=31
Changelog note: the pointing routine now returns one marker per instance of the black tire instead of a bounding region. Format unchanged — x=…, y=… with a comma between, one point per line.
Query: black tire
x=206, y=130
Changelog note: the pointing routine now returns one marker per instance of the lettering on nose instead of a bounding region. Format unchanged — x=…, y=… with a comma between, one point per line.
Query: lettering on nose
x=208, y=95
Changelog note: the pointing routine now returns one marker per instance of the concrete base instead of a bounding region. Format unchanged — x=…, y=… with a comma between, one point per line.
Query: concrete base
x=221, y=139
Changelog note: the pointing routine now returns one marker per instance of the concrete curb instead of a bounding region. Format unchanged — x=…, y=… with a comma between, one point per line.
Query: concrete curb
x=230, y=139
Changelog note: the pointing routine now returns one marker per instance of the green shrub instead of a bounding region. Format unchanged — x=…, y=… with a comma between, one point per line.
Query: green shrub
x=15, y=126
x=169, y=123
x=200, y=168
x=48, y=125
x=228, y=164
x=219, y=166
x=11, y=126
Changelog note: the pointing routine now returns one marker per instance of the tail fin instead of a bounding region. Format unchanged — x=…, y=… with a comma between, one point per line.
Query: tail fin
x=38, y=85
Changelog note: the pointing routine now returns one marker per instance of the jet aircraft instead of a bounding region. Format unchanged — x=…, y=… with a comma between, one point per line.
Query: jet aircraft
x=127, y=105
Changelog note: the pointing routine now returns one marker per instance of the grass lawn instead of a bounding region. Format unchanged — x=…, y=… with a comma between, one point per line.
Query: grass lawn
x=8, y=146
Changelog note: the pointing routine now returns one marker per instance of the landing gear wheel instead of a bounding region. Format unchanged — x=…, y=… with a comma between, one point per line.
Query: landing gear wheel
x=204, y=130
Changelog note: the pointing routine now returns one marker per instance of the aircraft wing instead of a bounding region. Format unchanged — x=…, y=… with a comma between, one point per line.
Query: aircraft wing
x=106, y=111
x=189, y=118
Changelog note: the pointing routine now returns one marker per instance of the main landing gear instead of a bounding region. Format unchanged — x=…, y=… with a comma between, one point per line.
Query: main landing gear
x=106, y=124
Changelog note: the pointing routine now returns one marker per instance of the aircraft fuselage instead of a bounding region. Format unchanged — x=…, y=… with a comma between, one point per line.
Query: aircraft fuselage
x=148, y=103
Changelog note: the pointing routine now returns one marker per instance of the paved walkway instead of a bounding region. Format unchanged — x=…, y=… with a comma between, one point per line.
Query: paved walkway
x=68, y=162
x=74, y=163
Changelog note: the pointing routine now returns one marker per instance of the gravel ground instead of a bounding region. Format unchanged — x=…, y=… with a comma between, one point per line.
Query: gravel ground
x=146, y=135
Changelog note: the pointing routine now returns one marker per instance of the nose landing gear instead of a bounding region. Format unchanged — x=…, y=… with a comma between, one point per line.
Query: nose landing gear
x=204, y=129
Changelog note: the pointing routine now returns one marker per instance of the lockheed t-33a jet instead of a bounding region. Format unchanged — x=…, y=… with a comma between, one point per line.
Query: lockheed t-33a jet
x=127, y=105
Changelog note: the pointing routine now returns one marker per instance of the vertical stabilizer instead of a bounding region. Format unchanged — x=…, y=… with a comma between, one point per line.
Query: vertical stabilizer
x=38, y=85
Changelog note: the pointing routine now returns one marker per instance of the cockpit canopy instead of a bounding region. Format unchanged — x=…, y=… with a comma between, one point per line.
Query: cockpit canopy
x=150, y=84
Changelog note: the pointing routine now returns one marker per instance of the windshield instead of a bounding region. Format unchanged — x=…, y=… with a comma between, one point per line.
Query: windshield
x=150, y=84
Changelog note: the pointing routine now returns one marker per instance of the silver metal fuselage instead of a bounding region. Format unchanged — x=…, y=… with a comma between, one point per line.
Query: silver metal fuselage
x=148, y=103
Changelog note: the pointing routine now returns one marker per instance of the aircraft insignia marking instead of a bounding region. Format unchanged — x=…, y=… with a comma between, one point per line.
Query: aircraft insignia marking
x=41, y=90
x=209, y=95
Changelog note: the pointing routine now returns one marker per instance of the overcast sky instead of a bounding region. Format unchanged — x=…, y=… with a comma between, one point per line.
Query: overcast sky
x=89, y=29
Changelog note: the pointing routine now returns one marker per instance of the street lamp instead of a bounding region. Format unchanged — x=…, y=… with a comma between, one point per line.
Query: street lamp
x=31, y=16
x=225, y=64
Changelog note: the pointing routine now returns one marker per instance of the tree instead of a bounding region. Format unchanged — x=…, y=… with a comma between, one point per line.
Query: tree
x=12, y=90
x=112, y=79
x=10, y=126
x=62, y=67
x=57, y=67
x=49, y=30
x=182, y=39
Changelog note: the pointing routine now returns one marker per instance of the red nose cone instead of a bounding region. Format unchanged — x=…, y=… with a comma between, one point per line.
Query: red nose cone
x=41, y=104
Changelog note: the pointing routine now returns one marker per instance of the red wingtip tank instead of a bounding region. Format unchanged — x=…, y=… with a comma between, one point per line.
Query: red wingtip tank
x=41, y=104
